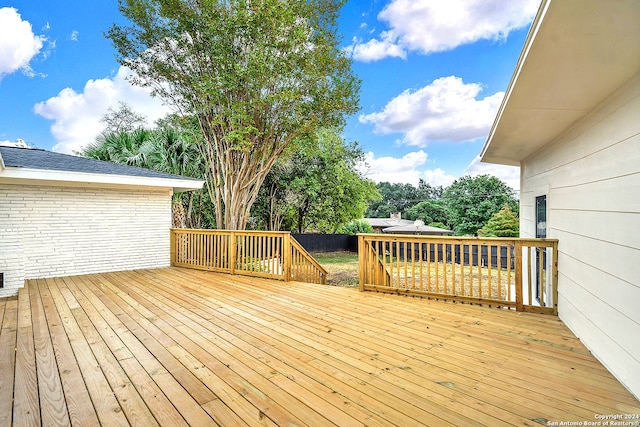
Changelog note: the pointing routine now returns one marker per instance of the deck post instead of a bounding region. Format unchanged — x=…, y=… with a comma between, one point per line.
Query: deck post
x=287, y=252
x=554, y=278
x=232, y=252
x=518, y=278
x=172, y=247
x=361, y=261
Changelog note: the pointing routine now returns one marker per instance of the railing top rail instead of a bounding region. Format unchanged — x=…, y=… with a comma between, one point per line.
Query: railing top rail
x=459, y=239
x=237, y=232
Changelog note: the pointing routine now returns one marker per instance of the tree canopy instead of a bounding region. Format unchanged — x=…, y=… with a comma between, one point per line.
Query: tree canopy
x=317, y=188
x=429, y=211
x=401, y=197
x=472, y=201
x=122, y=119
x=356, y=226
x=502, y=224
x=260, y=76
x=465, y=206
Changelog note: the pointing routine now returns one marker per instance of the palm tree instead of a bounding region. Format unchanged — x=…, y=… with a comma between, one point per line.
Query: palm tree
x=172, y=152
x=164, y=150
x=119, y=147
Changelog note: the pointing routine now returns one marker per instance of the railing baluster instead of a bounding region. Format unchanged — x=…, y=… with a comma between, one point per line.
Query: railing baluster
x=489, y=263
x=518, y=265
x=475, y=291
x=554, y=278
x=454, y=289
x=406, y=262
x=462, y=277
x=480, y=287
x=428, y=245
x=500, y=271
x=436, y=254
x=509, y=273
x=542, y=274
x=529, y=287
x=444, y=267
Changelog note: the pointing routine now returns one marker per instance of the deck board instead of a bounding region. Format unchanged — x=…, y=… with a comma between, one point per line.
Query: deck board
x=184, y=347
x=8, y=333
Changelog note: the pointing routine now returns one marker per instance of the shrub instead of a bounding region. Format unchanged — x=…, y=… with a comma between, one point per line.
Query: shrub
x=501, y=224
x=356, y=226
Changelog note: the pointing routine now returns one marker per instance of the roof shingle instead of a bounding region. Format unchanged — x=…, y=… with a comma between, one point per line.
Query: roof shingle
x=30, y=158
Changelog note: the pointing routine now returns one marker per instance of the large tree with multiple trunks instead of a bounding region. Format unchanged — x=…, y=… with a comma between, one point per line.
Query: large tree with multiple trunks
x=259, y=75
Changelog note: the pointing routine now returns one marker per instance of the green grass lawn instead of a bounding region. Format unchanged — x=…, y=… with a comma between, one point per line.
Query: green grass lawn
x=337, y=258
x=342, y=267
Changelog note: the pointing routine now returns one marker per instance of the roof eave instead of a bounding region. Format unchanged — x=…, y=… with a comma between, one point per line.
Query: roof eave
x=40, y=176
x=575, y=55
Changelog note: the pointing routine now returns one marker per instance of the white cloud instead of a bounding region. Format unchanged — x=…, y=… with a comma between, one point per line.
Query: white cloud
x=403, y=170
x=74, y=35
x=445, y=110
x=409, y=169
x=17, y=143
x=427, y=26
x=376, y=49
x=437, y=177
x=509, y=174
x=18, y=44
x=77, y=116
x=393, y=169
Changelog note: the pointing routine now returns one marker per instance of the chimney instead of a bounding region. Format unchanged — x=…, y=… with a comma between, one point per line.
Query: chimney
x=397, y=215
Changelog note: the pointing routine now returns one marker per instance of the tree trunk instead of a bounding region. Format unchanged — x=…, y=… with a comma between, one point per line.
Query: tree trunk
x=236, y=174
x=275, y=213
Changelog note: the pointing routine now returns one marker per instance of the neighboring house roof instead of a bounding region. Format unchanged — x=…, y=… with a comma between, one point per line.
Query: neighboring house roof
x=576, y=54
x=417, y=227
x=41, y=165
x=387, y=222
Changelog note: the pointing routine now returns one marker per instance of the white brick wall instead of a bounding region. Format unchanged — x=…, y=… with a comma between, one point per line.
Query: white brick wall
x=57, y=231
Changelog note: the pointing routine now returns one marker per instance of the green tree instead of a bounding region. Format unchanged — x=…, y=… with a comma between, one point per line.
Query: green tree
x=356, y=226
x=429, y=211
x=272, y=209
x=502, y=224
x=122, y=119
x=260, y=76
x=472, y=201
x=427, y=191
x=401, y=197
x=439, y=225
x=119, y=147
x=317, y=188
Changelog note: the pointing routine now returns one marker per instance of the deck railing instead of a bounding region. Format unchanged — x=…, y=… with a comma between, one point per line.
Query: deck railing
x=274, y=255
x=520, y=274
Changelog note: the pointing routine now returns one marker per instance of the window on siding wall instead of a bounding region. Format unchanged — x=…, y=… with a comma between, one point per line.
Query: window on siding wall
x=541, y=217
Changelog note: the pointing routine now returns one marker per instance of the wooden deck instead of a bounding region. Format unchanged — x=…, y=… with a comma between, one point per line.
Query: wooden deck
x=185, y=347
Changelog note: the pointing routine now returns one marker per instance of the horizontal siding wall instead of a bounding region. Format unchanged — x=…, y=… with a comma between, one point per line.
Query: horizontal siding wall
x=591, y=176
x=57, y=231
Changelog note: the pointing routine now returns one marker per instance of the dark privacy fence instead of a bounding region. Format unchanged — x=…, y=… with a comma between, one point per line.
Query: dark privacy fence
x=327, y=242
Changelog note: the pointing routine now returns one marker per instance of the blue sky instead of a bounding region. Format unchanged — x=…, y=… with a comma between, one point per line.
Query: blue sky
x=433, y=75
